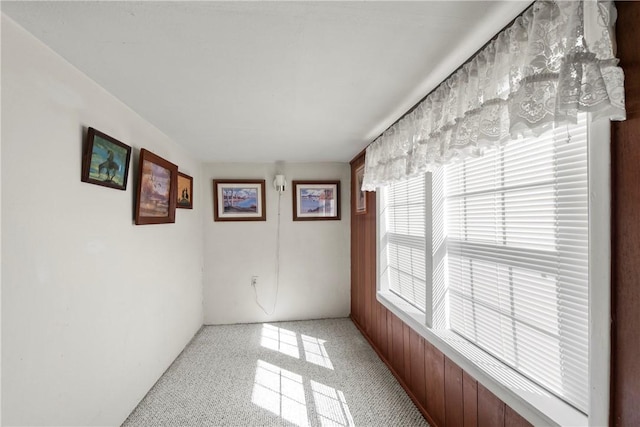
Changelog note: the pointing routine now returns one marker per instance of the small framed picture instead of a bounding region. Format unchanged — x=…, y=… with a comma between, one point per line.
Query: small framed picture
x=239, y=200
x=105, y=161
x=185, y=191
x=316, y=200
x=359, y=196
x=157, y=183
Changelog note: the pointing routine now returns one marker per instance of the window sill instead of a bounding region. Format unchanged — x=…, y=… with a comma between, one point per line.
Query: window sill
x=532, y=402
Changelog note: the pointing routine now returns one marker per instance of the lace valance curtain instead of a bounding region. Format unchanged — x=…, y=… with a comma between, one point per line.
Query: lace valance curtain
x=555, y=59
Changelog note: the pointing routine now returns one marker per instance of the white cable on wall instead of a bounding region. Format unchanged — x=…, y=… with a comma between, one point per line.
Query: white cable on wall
x=275, y=301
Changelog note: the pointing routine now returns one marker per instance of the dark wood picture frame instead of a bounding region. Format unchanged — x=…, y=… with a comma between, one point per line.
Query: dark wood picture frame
x=156, y=204
x=359, y=197
x=250, y=200
x=316, y=200
x=105, y=161
x=184, y=191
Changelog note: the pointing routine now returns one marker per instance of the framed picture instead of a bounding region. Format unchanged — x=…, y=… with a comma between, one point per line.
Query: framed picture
x=238, y=200
x=157, y=183
x=185, y=191
x=316, y=200
x=105, y=161
x=360, y=197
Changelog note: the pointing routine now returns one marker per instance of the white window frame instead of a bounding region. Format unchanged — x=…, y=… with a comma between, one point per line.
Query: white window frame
x=531, y=401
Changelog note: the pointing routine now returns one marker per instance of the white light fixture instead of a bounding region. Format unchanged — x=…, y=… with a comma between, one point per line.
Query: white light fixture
x=279, y=183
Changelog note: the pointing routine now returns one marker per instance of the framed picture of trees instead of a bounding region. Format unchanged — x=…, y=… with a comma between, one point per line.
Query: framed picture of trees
x=239, y=200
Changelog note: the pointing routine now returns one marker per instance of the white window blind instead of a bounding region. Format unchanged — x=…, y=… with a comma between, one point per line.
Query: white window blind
x=517, y=225
x=402, y=246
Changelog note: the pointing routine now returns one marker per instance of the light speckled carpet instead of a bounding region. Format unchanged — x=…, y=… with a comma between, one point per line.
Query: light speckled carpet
x=307, y=373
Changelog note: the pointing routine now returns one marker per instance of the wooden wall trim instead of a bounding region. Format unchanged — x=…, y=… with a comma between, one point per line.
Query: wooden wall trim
x=625, y=229
x=359, y=157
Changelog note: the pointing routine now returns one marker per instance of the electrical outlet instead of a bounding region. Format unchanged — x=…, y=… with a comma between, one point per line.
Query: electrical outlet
x=254, y=280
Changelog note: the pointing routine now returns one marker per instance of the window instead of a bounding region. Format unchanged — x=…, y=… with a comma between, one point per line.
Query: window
x=403, y=208
x=517, y=255
x=517, y=231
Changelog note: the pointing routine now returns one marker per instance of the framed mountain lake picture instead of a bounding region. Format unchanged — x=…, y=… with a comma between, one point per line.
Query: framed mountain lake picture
x=239, y=200
x=105, y=161
x=316, y=200
x=157, y=183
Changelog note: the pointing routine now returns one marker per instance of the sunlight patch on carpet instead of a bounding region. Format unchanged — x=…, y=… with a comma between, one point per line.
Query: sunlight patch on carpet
x=315, y=352
x=280, y=392
x=331, y=406
x=279, y=339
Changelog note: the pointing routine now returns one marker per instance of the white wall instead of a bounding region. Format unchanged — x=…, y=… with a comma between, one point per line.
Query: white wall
x=94, y=308
x=314, y=255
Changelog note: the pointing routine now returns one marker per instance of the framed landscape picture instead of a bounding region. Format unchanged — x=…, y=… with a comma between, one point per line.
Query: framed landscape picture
x=157, y=183
x=239, y=200
x=185, y=191
x=360, y=197
x=105, y=161
x=316, y=200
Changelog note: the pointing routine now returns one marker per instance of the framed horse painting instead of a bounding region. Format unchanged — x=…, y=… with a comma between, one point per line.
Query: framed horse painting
x=105, y=161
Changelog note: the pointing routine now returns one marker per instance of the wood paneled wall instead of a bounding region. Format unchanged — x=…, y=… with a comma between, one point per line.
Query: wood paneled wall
x=625, y=230
x=444, y=393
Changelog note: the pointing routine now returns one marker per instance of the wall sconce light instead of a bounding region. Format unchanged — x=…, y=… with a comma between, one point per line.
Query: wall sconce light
x=279, y=183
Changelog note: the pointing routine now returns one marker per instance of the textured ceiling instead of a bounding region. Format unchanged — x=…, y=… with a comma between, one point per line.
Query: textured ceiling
x=266, y=81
